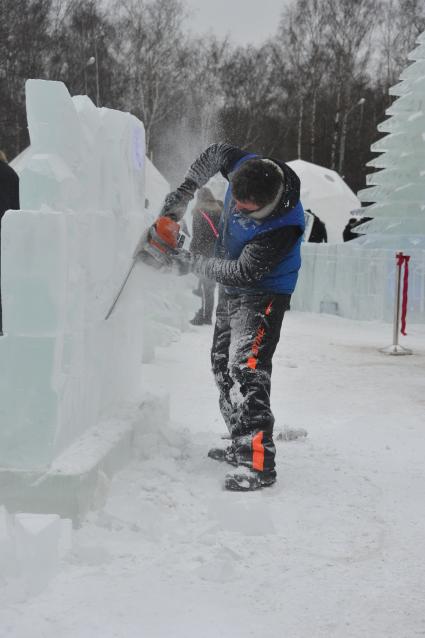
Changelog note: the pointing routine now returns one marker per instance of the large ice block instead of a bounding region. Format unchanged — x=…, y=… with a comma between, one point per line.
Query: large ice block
x=157, y=188
x=64, y=370
x=29, y=404
x=35, y=262
x=63, y=257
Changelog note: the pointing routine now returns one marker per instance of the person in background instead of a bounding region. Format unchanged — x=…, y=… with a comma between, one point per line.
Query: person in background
x=256, y=263
x=348, y=233
x=318, y=234
x=9, y=199
x=206, y=219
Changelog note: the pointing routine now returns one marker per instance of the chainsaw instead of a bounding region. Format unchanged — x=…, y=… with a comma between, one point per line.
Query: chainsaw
x=160, y=243
x=156, y=248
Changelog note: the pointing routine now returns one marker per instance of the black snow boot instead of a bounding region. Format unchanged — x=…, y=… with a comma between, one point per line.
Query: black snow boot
x=200, y=320
x=226, y=455
x=246, y=480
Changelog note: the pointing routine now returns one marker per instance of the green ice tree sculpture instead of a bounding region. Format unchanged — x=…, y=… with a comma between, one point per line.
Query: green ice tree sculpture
x=398, y=189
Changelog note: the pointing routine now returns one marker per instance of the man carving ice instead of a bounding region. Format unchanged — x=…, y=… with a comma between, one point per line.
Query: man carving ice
x=256, y=263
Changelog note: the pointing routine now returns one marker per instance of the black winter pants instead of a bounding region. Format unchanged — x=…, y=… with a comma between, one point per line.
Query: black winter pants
x=247, y=331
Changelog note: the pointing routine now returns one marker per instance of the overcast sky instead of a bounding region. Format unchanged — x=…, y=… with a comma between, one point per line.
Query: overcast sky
x=245, y=21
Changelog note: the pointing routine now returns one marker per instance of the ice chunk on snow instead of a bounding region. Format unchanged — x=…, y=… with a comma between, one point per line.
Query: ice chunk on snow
x=8, y=563
x=37, y=544
x=291, y=434
x=31, y=548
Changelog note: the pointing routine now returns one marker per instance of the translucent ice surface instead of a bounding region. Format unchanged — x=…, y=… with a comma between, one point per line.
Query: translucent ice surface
x=398, y=189
x=64, y=255
x=31, y=548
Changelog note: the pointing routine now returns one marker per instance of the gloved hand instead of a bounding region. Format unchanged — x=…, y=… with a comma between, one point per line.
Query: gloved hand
x=176, y=202
x=175, y=205
x=182, y=261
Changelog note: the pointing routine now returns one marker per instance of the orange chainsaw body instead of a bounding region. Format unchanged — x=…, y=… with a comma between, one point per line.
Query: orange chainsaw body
x=167, y=234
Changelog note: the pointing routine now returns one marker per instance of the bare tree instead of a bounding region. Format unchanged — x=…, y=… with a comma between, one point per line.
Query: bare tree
x=249, y=91
x=83, y=55
x=302, y=45
x=401, y=22
x=153, y=55
x=24, y=46
x=351, y=26
x=206, y=93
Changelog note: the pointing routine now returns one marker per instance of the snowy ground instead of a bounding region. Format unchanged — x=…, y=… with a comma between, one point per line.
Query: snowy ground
x=336, y=548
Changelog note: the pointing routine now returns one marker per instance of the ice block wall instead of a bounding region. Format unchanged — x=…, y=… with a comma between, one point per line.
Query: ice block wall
x=64, y=254
x=356, y=282
x=156, y=187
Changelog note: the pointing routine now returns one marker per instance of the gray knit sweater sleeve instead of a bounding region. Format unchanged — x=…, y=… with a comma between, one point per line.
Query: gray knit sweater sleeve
x=217, y=158
x=257, y=259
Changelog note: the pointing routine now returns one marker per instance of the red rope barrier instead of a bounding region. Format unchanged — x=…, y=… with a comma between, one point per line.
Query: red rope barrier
x=404, y=259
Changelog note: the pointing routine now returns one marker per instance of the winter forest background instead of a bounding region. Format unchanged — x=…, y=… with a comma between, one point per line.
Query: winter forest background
x=316, y=90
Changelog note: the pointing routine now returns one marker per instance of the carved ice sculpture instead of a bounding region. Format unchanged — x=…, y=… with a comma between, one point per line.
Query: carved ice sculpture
x=63, y=256
x=398, y=189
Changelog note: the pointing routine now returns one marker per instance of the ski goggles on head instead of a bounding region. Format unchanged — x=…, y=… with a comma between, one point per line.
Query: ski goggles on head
x=261, y=212
x=246, y=211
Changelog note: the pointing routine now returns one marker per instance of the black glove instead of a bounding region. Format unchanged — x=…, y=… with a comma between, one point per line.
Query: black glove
x=176, y=202
x=175, y=205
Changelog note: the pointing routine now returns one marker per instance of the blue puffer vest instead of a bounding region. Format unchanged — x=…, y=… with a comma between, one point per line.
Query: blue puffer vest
x=236, y=230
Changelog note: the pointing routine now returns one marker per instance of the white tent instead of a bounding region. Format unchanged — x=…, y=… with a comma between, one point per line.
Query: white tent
x=327, y=195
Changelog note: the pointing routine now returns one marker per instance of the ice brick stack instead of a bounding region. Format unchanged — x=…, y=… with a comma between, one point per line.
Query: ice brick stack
x=64, y=255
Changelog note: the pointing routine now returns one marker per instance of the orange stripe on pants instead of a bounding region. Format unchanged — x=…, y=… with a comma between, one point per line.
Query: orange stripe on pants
x=258, y=452
x=252, y=361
